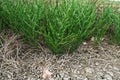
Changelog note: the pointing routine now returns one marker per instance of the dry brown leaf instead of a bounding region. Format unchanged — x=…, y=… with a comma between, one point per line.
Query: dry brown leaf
x=46, y=74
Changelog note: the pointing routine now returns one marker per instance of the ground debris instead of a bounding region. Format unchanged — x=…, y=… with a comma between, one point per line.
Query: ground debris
x=18, y=62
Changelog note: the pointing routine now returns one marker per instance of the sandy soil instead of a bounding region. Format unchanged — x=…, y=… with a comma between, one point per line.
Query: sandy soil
x=18, y=61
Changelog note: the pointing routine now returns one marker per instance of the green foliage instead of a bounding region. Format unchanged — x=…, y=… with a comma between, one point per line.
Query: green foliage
x=0, y=24
x=68, y=24
x=117, y=29
x=23, y=17
x=102, y=23
x=115, y=19
x=64, y=25
x=0, y=16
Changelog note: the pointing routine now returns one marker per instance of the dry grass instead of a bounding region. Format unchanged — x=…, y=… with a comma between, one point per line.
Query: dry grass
x=18, y=61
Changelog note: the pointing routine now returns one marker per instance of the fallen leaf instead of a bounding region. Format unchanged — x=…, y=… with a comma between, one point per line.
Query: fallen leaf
x=46, y=74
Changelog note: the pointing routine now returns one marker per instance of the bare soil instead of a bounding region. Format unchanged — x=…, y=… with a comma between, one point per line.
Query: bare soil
x=19, y=61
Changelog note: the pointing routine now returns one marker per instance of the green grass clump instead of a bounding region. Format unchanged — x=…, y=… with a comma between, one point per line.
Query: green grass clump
x=0, y=24
x=64, y=25
x=0, y=16
x=102, y=23
x=113, y=19
x=68, y=24
x=23, y=17
x=117, y=29
x=116, y=26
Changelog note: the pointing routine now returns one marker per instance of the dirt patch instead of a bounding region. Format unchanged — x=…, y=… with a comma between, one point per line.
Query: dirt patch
x=18, y=61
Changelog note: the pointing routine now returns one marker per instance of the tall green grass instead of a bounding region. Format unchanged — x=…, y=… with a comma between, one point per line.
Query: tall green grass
x=113, y=15
x=23, y=17
x=64, y=25
x=0, y=16
x=68, y=24
x=115, y=19
x=103, y=23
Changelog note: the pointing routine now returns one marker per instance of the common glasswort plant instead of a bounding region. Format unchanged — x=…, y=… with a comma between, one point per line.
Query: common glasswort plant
x=23, y=16
x=68, y=23
x=116, y=26
x=102, y=23
x=1, y=11
x=63, y=24
x=117, y=30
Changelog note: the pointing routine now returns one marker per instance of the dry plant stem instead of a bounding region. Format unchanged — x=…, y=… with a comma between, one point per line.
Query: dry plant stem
x=87, y=62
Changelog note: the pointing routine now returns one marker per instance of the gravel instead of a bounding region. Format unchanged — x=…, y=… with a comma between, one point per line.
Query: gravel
x=18, y=61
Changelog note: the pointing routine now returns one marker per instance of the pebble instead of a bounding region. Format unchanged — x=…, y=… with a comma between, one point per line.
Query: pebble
x=92, y=39
x=84, y=43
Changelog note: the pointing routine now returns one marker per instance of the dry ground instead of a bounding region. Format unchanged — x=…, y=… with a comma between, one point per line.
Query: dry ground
x=18, y=61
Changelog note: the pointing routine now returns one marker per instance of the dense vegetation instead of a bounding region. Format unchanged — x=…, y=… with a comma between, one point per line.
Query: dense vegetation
x=64, y=25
